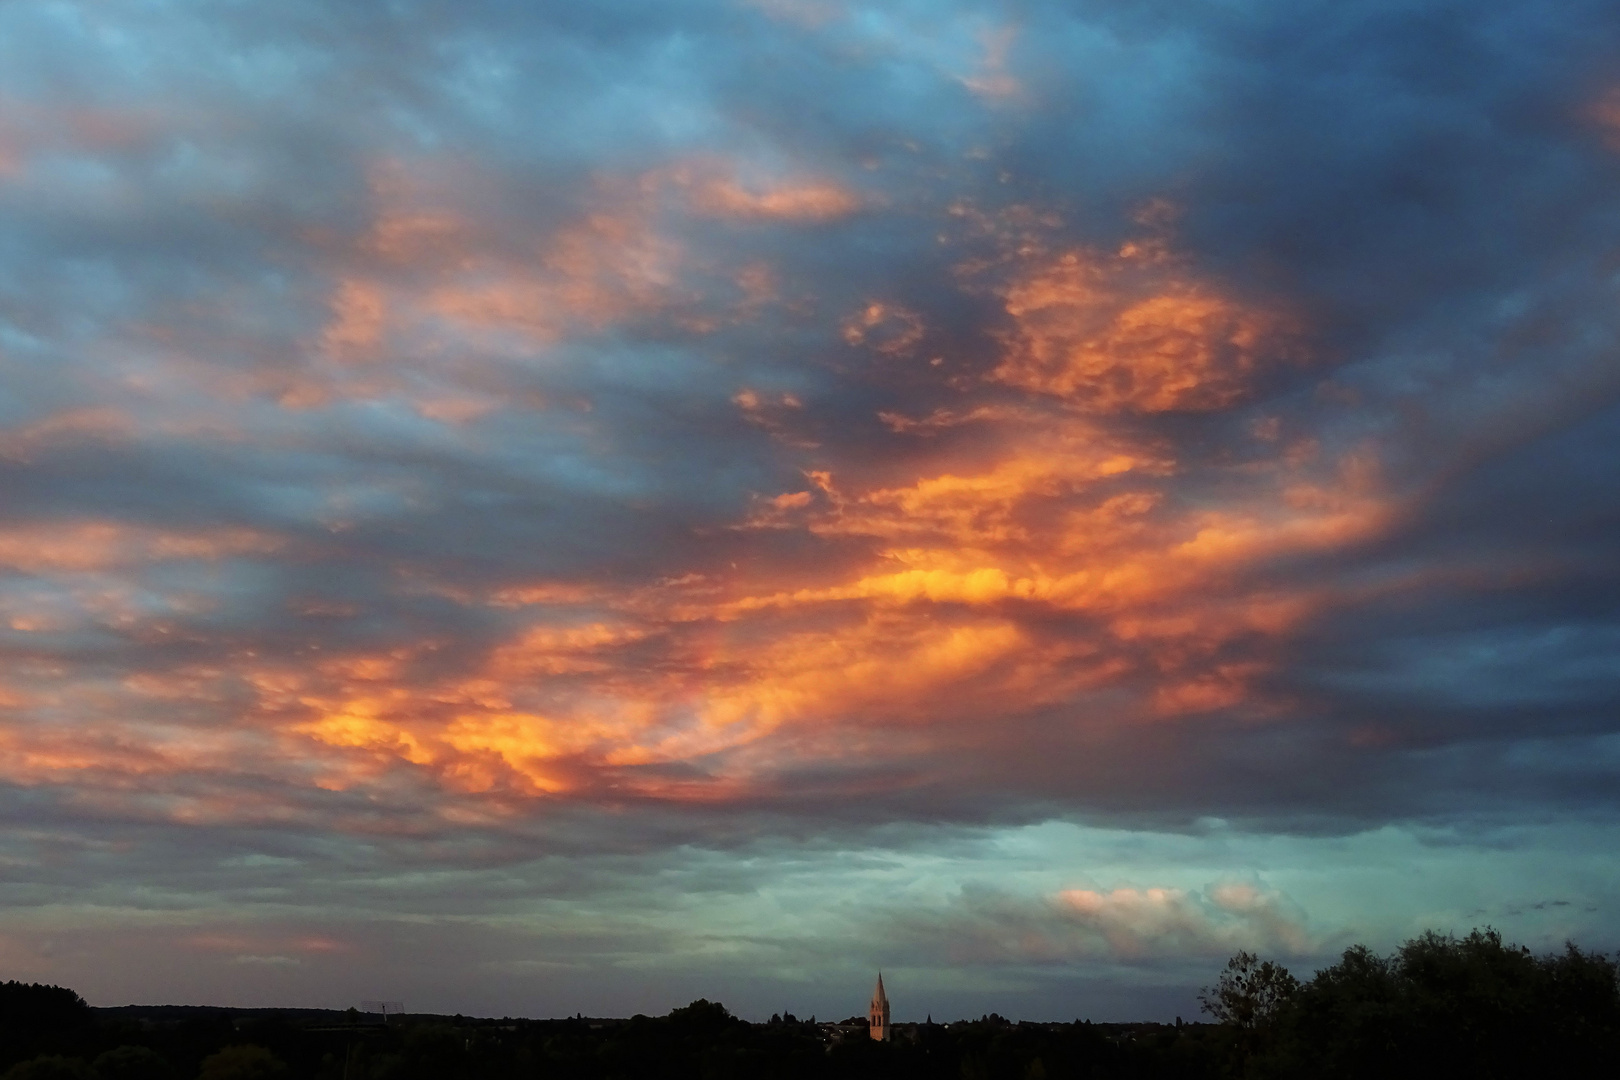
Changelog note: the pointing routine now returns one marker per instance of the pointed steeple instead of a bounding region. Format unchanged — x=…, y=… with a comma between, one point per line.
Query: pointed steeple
x=878, y=1014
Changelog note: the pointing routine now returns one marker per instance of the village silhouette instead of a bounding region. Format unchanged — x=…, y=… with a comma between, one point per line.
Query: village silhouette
x=1437, y=1007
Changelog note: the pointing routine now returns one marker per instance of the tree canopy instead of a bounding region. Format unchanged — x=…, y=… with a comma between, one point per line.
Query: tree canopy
x=1439, y=1006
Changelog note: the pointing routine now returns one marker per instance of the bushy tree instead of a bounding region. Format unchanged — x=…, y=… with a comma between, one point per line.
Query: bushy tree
x=702, y=1014
x=36, y=1019
x=1249, y=993
x=1442, y=1007
x=50, y=1067
x=133, y=1063
x=243, y=1063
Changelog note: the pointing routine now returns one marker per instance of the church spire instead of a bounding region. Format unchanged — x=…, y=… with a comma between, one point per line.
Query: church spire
x=878, y=1015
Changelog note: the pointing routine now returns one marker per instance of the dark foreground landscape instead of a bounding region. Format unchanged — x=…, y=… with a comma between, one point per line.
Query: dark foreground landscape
x=1438, y=1007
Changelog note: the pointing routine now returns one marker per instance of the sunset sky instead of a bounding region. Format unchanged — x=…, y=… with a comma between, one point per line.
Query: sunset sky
x=551, y=507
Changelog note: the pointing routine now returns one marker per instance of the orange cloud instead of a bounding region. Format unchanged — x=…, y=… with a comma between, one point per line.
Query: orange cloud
x=103, y=545
x=1168, y=921
x=781, y=414
x=590, y=273
x=443, y=263
x=1133, y=331
x=936, y=627
x=440, y=262
x=1030, y=539
x=933, y=625
x=1125, y=332
x=442, y=269
x=803, y=201
x=884, y=328
x=73, y=425
x=488, y=733
x=717, y=186
x=359, y=314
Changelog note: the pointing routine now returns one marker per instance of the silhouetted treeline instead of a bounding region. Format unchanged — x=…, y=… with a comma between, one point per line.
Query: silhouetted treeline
x=1438, y=1007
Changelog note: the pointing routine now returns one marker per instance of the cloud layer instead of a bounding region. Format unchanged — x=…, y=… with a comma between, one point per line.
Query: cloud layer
x=478, y=435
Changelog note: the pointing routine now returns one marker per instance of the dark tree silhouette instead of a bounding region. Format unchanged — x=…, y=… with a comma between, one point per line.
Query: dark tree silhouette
x=243, y=1063
x=133, y=1063
x=50, y=1067
x=1249, y=993
x=1442, y=1007
x=39, y=1020
x=1438, y=1007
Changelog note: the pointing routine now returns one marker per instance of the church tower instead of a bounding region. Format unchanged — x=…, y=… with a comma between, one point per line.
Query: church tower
x=878, y=1015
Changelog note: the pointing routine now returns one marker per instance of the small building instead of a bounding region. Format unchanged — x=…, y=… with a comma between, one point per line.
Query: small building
x=878, y=1015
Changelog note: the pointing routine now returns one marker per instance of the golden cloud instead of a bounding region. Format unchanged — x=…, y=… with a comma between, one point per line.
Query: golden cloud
x=1133, y=331
x=1031, y=542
